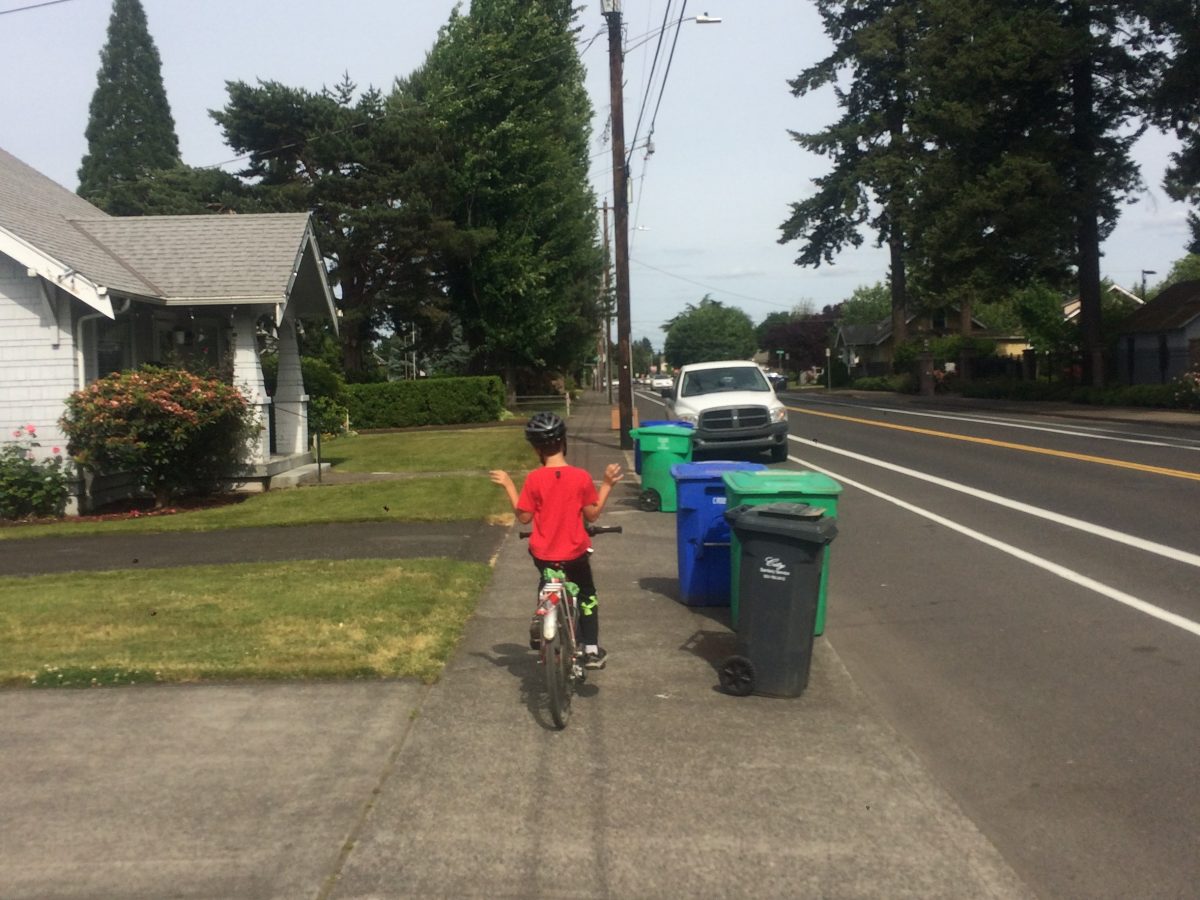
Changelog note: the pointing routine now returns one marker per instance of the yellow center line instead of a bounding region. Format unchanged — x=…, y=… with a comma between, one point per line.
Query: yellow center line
x=1008, y=445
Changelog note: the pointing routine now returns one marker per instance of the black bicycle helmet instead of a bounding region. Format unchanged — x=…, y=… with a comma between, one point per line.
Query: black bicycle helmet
x=545, y=428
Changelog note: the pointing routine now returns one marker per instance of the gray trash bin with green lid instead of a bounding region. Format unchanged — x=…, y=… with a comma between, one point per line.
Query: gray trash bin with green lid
x=662, y=447
x=776, y=486
x=782, y=548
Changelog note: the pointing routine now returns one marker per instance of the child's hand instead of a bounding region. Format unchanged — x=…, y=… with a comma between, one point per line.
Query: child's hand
x=613, y=474
x=500, y=477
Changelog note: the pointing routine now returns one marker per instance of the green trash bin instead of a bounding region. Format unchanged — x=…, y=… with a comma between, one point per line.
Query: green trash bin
x=779, y=486
x=662, y=446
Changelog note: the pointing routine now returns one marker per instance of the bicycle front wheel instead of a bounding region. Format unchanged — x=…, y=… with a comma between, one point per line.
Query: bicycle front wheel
x=559, y=661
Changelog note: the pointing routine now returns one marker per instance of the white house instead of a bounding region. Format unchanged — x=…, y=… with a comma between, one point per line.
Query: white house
x=83, y=294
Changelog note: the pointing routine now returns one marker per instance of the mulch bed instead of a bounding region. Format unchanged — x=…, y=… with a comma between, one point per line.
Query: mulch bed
x=136, y=508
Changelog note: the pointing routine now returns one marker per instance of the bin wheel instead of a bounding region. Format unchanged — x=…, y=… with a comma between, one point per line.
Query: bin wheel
x=737, y=676
x=650, y=501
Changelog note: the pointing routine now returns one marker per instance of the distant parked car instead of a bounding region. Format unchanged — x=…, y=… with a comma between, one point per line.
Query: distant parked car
x=663, y=383
x=778, y=380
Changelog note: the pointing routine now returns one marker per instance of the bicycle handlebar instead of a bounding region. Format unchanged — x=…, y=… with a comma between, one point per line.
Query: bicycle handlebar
x=592, y=530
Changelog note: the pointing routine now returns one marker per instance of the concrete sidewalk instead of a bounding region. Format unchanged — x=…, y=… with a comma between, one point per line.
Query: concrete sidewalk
x=661, y=786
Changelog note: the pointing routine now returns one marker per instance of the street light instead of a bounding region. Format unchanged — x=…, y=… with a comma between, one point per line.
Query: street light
x=612, y=13
x=1146, y=272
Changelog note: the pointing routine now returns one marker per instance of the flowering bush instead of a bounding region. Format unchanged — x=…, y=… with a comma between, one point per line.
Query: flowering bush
x=29, y=486
x=178, y=432
x=1187, y=389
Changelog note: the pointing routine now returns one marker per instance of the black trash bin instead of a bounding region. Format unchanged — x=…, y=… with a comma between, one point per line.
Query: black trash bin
x=782, y=548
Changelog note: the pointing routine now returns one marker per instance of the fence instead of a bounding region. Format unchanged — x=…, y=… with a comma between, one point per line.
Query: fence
x=531, y=403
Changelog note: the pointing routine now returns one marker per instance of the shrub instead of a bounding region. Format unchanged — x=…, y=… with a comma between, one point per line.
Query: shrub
x=431, y=401
x=177, y=432
x=31, y=486
x=1186, y=390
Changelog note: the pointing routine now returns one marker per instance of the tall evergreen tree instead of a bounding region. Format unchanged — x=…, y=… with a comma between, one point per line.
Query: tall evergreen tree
x=364, y=168
x=1176, y=104
x=130, y=131
x=873, y=155
x=508, y=91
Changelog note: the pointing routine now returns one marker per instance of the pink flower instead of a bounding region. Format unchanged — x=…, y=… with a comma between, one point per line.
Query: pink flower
x=17, y=433
x=56, y=450
x=32, y=429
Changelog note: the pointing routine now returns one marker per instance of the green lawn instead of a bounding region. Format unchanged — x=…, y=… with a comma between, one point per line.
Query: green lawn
x=319, y=619
x=427, y=496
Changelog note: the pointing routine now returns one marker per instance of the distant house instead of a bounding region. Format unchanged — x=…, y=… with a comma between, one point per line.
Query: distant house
x=868, y=350
x=83, y=294
x=1161, y=341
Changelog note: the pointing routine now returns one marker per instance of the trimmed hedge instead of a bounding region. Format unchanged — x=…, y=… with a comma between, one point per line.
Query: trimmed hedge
x=1143, y=395
x=433, y=401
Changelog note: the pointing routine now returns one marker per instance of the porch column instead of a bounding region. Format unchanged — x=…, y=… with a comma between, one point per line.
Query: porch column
x=248, y=378
x=291, y=403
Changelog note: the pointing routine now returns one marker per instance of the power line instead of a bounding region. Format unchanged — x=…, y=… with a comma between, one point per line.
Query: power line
x=709, y=287
x=17, y=9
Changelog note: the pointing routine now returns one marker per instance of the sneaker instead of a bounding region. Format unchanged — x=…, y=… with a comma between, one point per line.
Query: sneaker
x=535, y=633
x=597, y=660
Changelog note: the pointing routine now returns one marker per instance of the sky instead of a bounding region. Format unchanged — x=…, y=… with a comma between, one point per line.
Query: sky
x=706, y=205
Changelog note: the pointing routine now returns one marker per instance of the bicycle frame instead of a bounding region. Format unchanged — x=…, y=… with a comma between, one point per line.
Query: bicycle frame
x=559, y=653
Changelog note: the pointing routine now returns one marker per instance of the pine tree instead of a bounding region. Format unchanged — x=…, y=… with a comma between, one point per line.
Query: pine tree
x=130, y=130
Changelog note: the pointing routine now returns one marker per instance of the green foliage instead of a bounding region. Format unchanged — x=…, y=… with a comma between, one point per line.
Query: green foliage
x=431, y=401
x=1186, y=268
x=130, y=131
x=30, y=486
x=709, y=331
x=506, y=89
x=326, y=389
x=1186, y=390
x=365, y=168
x=1168, y=396
x=868, y=305
x=180, y=190
x=177, y=432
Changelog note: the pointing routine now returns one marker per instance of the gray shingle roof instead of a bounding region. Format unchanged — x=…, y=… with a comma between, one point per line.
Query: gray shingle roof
x=176, y=259
x=1174, y=308
x=40, y=212
x=207, y=258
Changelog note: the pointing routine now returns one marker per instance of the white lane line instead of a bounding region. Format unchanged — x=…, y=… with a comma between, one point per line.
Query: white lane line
x=1120, y=537
x=1053, y=568
x=1095, y=432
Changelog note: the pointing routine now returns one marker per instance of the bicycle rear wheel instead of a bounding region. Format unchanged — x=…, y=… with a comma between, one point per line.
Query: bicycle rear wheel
x=559, y=662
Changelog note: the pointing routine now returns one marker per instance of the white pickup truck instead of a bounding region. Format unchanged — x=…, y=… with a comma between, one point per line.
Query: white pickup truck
x=732, y=406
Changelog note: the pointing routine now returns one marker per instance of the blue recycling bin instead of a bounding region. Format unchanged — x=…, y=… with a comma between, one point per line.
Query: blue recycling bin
x=637, y=445
x=702, y=532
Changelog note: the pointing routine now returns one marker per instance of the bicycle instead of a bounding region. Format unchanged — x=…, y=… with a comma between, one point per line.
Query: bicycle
x=559, y=651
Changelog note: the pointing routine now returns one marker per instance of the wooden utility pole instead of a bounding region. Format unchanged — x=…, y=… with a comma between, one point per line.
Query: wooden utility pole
x=607, y=310
x=612, y=12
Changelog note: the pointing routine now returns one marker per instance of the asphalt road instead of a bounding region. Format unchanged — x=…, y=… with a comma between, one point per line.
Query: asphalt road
x=1016, y=593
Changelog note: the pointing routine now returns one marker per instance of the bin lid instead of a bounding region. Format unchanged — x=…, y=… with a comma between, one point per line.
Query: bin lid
x=666, y=430
x=796, y=520
x=649, y=423
x=711, y=470
x=771, y=482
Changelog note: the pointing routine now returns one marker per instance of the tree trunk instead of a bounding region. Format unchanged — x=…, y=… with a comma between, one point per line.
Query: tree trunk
x=966, y=351
x=899, y=293
x=1087, y=215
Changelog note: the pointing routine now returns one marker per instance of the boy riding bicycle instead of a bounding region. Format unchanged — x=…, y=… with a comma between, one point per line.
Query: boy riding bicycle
x=557, y=498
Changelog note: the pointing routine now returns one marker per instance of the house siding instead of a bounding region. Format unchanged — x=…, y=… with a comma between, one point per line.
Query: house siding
x=37, y=360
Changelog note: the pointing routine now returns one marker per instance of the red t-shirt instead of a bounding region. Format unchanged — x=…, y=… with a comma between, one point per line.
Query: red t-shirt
x=556, y=495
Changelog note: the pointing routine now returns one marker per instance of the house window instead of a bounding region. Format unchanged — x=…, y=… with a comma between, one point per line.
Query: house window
x=1164, y=358
x=1194, y=353
x=113, y=346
